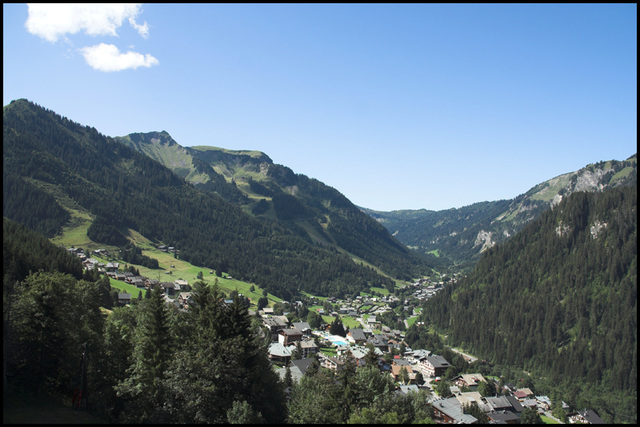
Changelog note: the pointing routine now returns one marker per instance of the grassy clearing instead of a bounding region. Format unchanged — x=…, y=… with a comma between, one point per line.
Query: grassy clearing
x=548, y=420
x=328, y=351
x=381, y=291
x=411, y=321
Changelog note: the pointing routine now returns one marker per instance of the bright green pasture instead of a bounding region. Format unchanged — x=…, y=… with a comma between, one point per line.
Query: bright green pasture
x=548, y=420
x=412, y=320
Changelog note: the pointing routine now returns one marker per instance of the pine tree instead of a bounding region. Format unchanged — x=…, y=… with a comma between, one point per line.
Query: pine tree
x=151, y=355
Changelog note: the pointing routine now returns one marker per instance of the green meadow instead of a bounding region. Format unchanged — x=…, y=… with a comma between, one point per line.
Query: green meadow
x=171, y=267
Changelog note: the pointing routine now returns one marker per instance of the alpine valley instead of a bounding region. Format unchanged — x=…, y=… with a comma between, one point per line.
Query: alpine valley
x=541, y=289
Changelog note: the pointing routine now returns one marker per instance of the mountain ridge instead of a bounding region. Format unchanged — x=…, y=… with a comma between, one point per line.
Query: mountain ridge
x=116, y=189
x=463, y=234
x=307, y=207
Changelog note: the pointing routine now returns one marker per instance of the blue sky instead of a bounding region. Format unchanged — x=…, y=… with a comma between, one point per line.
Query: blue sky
x=403, y=106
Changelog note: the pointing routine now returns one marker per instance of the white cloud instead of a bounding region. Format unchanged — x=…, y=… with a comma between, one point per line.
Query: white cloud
x=107, y=57
x=52, y=21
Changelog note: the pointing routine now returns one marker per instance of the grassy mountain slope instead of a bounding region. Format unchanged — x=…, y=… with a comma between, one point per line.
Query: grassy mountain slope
x=118, y=191
x=317, y=213
x=161, y=147
x=464, y=234
x=558, y=299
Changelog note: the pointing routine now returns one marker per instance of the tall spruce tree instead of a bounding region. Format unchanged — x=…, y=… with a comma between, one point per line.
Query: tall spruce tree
x=151, y=357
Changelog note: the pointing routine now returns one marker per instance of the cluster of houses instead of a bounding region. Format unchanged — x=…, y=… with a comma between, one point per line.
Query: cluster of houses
x=178, y=290
x=504, y=409
x=296, y=345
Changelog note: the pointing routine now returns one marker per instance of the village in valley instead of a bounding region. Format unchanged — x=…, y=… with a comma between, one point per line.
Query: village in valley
x=364, y=336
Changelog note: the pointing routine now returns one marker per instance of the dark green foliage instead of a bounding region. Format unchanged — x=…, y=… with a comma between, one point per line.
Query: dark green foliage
x=530, y=416
x=557, y=299
x=288, y=207
x=258, y=188
x=474, y=410
x=26, y=251
x=29, y=205
x=221, y=361
x=138, y=371
x=126, y=189
x=48, y=318
x=261, y=207
x=337, y=328
x=487, y=388
x=143, y=388
x=133, y=254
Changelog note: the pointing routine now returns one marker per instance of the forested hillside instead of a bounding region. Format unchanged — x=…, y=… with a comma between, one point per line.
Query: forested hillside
x=559, y=299
x=137, y=364
x=305, y=206
x=122, y=190
x=463, y=234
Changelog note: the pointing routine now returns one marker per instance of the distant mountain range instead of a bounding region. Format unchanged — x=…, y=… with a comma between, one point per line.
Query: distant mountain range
x=463, y=234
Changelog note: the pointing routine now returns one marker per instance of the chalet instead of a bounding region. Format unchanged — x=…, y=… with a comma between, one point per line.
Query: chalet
x=119, y=276
x=124, y=298
x=472, y=397
x=471, y=381
x=529, y=403
x=169, y=288
x=379, y=342
x=515, y=403
x=544, y=402
x=138, y=281
x=416, y=356
x=357, y=336
x=449, y=411
x=181, y=285
x=289, y=336
x=406, y=389
x=151, y=283
x=587, y=416
x=274, y=324
x=332, y=363
x=279, y=353
x=503, y=417
x=499, y=403
x=396, y=369
x=112, y=266
x=308, y=348
x=303, y=327
x=298, y=369
x=358, y=355
x=434, y=366
x=523, y=393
